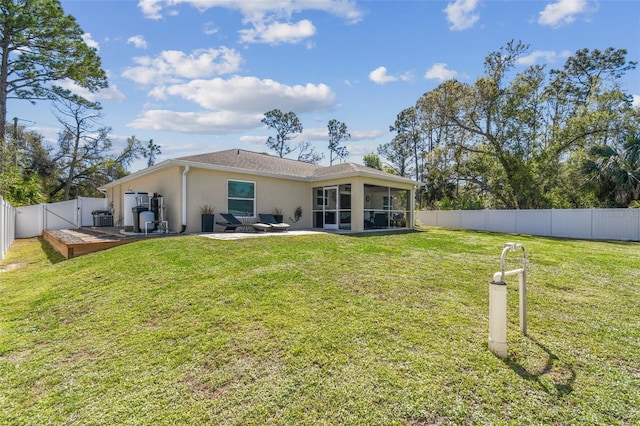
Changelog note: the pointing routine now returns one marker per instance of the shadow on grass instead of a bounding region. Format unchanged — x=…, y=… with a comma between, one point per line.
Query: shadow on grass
x=52, y=255
x=562, y=376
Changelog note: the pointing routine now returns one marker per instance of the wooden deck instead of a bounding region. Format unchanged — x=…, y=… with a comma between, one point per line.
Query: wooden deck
x=76, y=242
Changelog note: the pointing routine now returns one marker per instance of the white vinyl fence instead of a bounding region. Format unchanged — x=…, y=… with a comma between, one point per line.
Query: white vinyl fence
x=7, y=226
x=32, y=220
x=589, y=224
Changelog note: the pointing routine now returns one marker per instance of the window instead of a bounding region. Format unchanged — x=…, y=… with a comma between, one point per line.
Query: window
x=386, y=207
x=320, y=201
x=241, y=198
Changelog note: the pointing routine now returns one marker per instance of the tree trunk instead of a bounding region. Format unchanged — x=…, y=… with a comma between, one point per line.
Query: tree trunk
x=4, y=69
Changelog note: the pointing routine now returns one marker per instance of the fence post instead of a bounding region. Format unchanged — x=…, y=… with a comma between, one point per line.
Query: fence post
x=7, y=226
x=3, y=228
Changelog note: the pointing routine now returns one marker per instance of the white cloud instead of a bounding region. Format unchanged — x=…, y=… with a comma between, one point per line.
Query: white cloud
x=321, y=134
x=251, y=95
x=210, y=28
x=440, y=72
x=380, y=76
x=151, y=8
x=278, y=32
x=250, y=10
x=362, y=135
x=174, y=65
x=138, y=41
x=636, y=101
x=254, y=140
x=564, y=12
x=313, y=134
x=111, y=93
x=218, y=122
x=360, y=150
x=269, y=21
x=89, y=41
x=543, y=55
x=462, y=14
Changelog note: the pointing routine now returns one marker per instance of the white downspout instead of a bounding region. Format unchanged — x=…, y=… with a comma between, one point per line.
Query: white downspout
x=184, y=198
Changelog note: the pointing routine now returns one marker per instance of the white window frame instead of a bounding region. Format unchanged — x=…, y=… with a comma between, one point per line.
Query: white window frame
x=255, y=189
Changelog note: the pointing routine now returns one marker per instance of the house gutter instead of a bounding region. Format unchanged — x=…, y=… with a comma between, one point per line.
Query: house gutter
x=184, y=197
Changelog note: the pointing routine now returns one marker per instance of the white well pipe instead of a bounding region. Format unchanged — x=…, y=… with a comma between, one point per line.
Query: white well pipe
x=498, y=318
x=498, y=301
x=184, y=197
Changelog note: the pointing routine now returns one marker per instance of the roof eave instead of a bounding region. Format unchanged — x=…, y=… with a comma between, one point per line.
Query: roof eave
x=239, y=170
x=181, y=163
x=162, y=165
x=360, y=173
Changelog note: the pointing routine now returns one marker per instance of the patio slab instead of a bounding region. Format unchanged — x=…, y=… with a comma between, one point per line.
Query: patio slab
x=243, y=235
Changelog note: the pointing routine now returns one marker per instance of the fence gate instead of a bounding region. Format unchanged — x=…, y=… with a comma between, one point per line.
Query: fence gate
x=32, y=220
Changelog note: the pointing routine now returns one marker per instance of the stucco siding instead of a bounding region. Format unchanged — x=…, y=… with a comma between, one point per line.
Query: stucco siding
x=207, y=184
x=209, y=187
x=165, y=182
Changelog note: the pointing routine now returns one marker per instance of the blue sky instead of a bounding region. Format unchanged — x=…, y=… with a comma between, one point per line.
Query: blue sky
x=198, y=75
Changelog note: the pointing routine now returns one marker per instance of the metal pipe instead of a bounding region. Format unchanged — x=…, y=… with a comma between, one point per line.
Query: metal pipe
x=522, y=288
x=184, y=198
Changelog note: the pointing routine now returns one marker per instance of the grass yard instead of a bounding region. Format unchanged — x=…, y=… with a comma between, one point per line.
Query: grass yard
x=323, y=330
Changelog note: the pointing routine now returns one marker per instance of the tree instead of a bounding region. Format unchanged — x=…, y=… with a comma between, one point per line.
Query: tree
x=287, y=126
x=398, y=153
x=84, y=159
x=41, y=45
x=373, y=161
x=308, y=154
x=440, y=157
x=151, y=152
x=337, y=133
x=20, y=189
x=614, y=172
x=408, y=125
x=515, y=132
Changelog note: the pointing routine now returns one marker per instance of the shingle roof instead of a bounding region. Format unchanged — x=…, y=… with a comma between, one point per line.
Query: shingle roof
x=266, y=163
x=261, y=163
x=254, y=161
x=347, y=168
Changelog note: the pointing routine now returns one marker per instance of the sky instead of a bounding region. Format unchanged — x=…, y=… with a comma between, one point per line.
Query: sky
x=197, y=76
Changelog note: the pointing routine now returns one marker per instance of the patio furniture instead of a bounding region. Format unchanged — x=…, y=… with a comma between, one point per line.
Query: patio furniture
x=380, y=220
x=269, y=219
x=231, y=222
x=261, y=227
x=396, y=219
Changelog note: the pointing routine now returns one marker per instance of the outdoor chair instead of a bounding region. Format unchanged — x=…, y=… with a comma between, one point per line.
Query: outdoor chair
x=380, y=220
x=231, y=222
x=269, y=219
x=396, y=219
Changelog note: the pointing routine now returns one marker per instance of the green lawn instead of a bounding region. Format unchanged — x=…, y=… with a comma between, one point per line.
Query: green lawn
x=330, y=329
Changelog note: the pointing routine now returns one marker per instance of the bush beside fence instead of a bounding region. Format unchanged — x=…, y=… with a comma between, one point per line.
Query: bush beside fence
x=589, y=224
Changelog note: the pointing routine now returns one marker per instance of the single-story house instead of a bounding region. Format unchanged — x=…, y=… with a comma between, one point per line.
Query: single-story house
x=345, y=196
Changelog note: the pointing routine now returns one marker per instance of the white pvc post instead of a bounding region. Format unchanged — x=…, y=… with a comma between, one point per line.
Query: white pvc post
x=498, y=301
x=498, y=318
x=522, y=287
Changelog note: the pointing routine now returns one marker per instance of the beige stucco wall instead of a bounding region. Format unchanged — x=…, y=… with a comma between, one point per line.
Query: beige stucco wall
x=166, y=182
x=209, y=187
